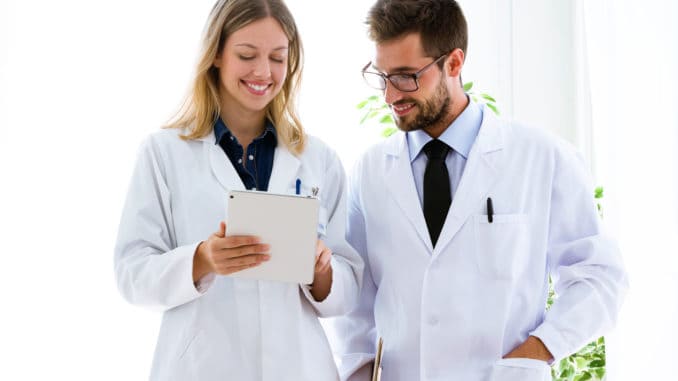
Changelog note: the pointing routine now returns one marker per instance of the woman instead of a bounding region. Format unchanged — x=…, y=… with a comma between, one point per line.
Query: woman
x=237, y=130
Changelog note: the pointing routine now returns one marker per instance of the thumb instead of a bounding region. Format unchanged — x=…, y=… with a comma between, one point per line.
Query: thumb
x=222, y=230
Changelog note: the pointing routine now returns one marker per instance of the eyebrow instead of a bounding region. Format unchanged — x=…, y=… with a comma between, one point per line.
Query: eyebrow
x=254, y=47
x=399, y=69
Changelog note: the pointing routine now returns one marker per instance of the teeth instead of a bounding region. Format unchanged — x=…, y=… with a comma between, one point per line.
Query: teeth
x=257, y=87
x=403, y=107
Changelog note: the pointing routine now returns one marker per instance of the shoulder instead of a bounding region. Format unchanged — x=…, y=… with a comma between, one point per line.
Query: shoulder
x=376, y=155
x=317, y=149
x=537, y=141
x=168, y=139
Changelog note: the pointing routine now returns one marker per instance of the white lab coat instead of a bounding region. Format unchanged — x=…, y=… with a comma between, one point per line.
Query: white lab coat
x=237, y=329
x=452, y=312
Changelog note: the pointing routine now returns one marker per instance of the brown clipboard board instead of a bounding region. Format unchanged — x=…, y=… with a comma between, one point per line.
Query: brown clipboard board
x=376, y=370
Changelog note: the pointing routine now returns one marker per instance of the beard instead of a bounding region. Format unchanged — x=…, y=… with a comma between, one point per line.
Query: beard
x=431, y=112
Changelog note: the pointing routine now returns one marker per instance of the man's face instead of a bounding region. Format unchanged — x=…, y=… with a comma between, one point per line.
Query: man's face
x=424, y=107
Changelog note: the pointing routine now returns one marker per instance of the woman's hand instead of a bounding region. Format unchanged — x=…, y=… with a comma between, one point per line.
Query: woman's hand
x=225, y=255
x=322, y=277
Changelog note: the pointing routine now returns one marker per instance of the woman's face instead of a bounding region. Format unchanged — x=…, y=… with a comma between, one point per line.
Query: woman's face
x=253, y=65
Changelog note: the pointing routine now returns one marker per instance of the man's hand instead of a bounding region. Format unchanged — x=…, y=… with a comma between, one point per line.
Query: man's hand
x=532, y=348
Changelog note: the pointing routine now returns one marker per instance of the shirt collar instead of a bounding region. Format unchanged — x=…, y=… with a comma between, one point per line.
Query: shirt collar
x=459, y=135
x=221, y=131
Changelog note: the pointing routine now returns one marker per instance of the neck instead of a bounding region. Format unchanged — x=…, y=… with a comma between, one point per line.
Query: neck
x=458, y=103
x=244, y=125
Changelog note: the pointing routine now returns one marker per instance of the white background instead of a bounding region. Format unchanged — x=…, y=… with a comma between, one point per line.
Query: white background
x=82, y=82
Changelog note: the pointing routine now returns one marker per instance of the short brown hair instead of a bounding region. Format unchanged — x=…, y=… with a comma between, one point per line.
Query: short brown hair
x=440, y=23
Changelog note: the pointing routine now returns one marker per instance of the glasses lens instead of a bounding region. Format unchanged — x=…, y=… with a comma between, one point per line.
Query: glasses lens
x=374, y=80
x=403, y=82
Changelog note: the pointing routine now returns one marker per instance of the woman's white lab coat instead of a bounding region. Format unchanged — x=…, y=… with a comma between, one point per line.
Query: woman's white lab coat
x=236, y=329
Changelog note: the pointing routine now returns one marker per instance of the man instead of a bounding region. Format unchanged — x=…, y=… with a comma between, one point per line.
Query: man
x=461, y=218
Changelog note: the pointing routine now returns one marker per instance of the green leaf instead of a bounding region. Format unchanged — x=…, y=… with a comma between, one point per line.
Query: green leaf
x=488, y=97
x=388, y=119
x=362, y=104
x=597, y=364
x=599, y=192
x=468, y=86
x=493, y=108
x=373, y=98
x=474, y=98
x=388, y=131
x=371, y=114
x=585, y=376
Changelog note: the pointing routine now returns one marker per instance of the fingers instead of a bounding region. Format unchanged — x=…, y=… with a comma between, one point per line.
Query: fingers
x=222, y=229
x=231, y=265
x=323, y=260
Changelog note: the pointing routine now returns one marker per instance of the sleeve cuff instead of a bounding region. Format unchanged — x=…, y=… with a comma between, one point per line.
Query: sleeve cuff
x=553, y=340
x=204, y=283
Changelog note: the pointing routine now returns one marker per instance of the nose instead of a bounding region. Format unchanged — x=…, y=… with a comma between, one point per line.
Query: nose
x=391, y=94
x=262, y=68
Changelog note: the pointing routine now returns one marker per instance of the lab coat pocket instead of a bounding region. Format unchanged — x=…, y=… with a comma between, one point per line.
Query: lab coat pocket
x=501, y=245
x=520, y=369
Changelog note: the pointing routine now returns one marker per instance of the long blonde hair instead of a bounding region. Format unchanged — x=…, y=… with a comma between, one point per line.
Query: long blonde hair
x=202, y=106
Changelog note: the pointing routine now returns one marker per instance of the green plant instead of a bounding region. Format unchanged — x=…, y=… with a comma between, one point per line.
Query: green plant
x=589, y=362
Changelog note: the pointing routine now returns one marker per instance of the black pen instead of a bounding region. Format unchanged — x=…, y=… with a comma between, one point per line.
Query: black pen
x=490, y=210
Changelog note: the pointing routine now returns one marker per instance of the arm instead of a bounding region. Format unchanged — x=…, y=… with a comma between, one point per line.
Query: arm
x=150, y=269
x=339, y=280
x=356, y=330
x=585, y=264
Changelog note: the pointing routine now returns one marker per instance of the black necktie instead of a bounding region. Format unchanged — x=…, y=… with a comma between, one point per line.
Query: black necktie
x=437, y=194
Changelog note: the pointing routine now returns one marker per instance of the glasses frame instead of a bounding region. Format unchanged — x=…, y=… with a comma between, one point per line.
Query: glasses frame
x=387, y=77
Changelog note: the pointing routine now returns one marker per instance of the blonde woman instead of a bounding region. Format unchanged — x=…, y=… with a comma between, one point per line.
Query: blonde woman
x=237, y=130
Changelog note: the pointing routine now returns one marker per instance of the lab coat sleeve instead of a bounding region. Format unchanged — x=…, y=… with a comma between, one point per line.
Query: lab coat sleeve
x=585, y=263
x=356, y=330
x=150, y=269
x=347, y=267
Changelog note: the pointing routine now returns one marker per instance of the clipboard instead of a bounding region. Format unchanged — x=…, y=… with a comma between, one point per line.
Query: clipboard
x=376, y=370
x=288, y=223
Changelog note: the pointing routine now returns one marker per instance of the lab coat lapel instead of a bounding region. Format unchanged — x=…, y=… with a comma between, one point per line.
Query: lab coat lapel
x=221, y=166
x=481, y=172
x=400, y=183
x=285, y=169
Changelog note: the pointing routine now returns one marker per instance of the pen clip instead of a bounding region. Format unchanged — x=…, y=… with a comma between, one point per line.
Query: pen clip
x=298, y=187
x=314, y=191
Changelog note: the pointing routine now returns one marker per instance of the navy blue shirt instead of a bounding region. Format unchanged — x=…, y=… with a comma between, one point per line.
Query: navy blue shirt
x=255, y=172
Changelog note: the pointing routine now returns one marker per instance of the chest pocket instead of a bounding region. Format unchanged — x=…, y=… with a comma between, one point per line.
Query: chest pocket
x=501, y=247
x=323, y=217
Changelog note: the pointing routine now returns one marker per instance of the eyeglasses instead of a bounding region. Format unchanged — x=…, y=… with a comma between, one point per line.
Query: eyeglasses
x=406, y=82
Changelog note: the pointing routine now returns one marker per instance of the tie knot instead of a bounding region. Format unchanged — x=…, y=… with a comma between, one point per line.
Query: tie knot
x=436, y=149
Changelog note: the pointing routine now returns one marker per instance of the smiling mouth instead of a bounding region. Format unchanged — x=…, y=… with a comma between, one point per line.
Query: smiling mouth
x=402, y=108
x=257, y=89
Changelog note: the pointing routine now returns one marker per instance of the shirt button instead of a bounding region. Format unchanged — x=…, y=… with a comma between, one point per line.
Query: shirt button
x=232, y=138
x=239, y=161
x=433, y=320
x=251, y=157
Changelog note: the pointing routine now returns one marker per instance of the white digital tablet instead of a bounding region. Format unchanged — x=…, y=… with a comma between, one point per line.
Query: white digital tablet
x=288, y=223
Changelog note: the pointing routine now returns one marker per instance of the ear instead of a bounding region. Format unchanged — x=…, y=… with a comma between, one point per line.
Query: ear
x=454, y=63
x=217, y=61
